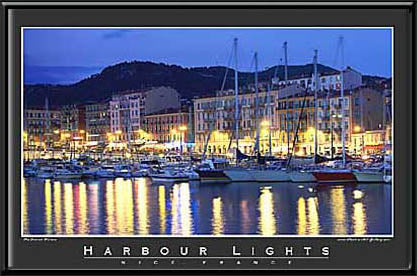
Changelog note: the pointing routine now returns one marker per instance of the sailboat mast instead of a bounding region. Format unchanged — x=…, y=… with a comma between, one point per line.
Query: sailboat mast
x=269, y=118
x=315, y=106
x=256, y=104
x=286, y=97
x=236, y=98
x=343, y=102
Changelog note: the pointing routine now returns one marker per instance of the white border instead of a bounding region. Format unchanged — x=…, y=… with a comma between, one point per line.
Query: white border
x=211, y=236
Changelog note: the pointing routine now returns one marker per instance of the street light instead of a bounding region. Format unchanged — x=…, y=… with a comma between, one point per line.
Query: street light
x=182, y=129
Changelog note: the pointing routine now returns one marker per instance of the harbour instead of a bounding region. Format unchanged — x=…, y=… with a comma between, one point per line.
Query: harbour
x=267, y=152
x=136, y=206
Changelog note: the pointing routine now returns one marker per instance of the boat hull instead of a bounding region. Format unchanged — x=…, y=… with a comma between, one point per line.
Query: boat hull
x=270, y=176
x=239, y=175
x=334, y=177
x=369, y=177
x=213, y=177
x=302, y=177
x=167, y=180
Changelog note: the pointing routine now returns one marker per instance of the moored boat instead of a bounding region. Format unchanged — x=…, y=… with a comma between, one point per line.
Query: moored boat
x=105, y=172
x=45, y=172
x=168, y=176
x=213, y=177
x=369, y=176
x=66, y=174
x=270, y=175
x=302, y=177
x=334, y=177
x=239, y=175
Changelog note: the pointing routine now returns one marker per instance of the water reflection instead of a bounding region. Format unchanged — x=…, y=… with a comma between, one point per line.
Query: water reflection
x=337, y=198
x=162, y=208
x=359, y=219
x=141, y=206
x=267, y=222
x=181, y=209
x=217, y=220
x=69, y=209
x=138, y=207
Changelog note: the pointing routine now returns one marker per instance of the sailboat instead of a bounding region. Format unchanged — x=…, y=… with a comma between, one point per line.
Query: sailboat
x=330, y=175
x=261, y=173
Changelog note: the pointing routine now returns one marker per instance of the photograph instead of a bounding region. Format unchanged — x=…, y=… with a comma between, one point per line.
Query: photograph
x=207, y=132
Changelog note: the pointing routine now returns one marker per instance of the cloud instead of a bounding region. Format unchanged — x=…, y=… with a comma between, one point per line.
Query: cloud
x=115, y=34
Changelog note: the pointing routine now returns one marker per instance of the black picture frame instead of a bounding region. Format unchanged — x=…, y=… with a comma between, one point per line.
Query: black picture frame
x=59, y=14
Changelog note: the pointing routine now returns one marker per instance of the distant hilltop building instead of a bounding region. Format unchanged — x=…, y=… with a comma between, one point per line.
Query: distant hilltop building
x=328, y=81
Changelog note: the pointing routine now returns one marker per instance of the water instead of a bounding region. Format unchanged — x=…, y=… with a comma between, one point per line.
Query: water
x=138, y=207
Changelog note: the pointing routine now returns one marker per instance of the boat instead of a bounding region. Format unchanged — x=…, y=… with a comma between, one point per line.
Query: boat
x=270, y=175
x=139, y=173
x=334, y=176
x=212, y=171
x=302, y=177
x=213, y=177
x=122, y=171
x=105, y=171
x=89, y=172
x=45, y=172
x=62, y=173
x=168, y=176
x=239, y=175
x=29, y=171
x=369, y=176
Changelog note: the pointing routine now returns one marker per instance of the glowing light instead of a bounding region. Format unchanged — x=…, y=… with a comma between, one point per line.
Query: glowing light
x=338, y=210
x=313, y=216
x=142, y=206
x=162, y=208
x=68, y=207
x=181, y=210
x=57, y=207
x=357, y=194
x=267, y=222
x=357, y=129
x=110, y=210
x=124, y=206
x=93, y=208
x=217, y=222
x=359, y=219
x=302, y=218
x=25, y=207
x=82, y=210
x=48, y=207
x=183, y=128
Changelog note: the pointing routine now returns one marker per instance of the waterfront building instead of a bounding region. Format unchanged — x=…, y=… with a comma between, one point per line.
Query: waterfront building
x=330, y=81
x=73, y=124
x=41, y=126
x=171, y=128
x=128, y=108
x=215, y=120
x=97, y=121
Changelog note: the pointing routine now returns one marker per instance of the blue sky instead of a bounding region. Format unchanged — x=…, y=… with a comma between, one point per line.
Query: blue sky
x=69, y=55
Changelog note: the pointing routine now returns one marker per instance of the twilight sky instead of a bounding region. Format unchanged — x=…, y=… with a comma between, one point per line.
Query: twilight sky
x=69, y=55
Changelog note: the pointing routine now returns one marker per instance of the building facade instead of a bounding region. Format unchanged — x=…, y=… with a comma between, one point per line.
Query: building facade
x=169, y=127
x=97, y=121
x=73, y=124
x=41, y=126
x=277, y=125
x=328, y=81
x=127, y=110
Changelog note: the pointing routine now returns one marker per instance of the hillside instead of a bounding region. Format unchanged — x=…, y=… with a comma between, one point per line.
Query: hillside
x=189, y=82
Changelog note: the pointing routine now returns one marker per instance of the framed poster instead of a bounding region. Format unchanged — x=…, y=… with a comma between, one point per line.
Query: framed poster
x=193, y=137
